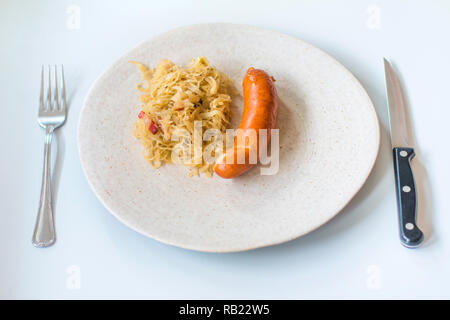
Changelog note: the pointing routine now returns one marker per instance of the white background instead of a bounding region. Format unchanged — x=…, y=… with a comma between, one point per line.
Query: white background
x=356, y=255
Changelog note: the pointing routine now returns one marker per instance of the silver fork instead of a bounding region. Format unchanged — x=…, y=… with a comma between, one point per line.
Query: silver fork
x=52, y=114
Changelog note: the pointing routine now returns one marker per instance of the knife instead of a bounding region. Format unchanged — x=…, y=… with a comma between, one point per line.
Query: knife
x=403, y=152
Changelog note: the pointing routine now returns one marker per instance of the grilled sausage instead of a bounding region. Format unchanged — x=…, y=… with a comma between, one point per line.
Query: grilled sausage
x=260, y=112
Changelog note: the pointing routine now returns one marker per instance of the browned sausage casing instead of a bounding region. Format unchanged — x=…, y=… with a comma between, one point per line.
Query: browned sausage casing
x=260, y=112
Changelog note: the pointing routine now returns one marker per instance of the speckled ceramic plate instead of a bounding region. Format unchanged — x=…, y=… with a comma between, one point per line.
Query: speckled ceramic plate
x=329, y=138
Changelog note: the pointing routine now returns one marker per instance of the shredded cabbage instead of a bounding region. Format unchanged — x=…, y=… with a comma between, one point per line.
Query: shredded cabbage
x=173, y=98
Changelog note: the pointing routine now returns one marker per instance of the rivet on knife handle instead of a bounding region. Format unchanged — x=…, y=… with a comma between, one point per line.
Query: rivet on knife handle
x=410, y=235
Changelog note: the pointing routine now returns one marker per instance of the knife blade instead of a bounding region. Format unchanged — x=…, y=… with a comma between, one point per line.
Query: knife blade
x=403, y=152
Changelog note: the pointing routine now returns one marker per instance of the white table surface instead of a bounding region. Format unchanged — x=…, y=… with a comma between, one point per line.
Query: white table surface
x=356, y=255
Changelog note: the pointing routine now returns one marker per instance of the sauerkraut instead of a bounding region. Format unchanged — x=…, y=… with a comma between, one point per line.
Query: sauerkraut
x=173, y=98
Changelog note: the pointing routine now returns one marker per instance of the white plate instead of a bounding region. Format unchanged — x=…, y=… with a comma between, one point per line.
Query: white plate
x=329, y=138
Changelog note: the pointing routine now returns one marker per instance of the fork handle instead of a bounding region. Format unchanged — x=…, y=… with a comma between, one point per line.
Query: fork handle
x=44, y=230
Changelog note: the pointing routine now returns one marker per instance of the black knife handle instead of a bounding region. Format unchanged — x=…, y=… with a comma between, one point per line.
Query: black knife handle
x=410, y=234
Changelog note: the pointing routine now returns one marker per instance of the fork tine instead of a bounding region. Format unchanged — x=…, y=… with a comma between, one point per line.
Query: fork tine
x=63, y=90
x=56, y=97
x=49, y=89
x=41, y=98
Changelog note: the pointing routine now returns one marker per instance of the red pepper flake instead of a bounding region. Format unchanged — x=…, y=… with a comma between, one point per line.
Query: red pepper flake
x=141, y=114
x=158, y=124
x=153, y=128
